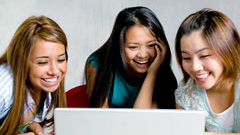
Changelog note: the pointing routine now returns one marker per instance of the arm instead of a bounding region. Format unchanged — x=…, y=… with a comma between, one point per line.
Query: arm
x=36, y=128
x=214, y=133
x=29, y=133
x=2, y=110
x=178, y=107
x=144, y=99
x=91, y=76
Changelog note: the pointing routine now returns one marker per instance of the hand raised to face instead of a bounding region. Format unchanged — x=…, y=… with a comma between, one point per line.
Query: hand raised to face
x=160, y=55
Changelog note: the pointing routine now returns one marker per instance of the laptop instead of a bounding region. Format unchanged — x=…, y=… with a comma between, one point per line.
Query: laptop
x=97, y=121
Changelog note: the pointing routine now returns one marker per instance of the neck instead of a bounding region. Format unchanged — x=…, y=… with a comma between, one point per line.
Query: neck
x=223, y=87
x=134, y=78
x=36, y=95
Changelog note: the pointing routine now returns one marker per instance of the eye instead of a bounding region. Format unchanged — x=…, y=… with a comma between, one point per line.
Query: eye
x=42, y=62
x=186, y=58
x=204, y=56
x=132, y=47
x=61, y=60
x=151, y=46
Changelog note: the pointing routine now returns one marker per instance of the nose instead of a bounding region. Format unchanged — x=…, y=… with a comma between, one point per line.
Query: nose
x=197, y=65
x=142, y=53
x=53, y=69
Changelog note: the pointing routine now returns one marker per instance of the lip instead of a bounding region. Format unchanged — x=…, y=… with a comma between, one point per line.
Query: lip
x=202, y=77
x=141, y=61
x=141, y=64
x=50, y=82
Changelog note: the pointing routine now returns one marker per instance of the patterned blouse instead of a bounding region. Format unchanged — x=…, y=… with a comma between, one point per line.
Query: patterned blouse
x=191, y=97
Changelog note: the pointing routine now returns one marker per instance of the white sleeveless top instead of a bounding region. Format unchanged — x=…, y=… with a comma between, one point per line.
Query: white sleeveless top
x=225, y=118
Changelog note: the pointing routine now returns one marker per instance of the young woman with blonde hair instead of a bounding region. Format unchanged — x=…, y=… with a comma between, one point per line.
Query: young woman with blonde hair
x=32, y=71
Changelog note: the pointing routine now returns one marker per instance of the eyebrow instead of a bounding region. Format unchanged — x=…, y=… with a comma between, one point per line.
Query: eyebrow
x=48, y=57
x=153, y=40
x=206, y=48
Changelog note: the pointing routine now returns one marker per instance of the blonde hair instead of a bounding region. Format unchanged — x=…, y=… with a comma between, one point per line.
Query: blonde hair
x=17, y=55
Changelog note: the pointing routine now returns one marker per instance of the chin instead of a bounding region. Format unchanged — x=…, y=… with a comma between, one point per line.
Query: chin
x=141, y=71
x=205, y=87
x=53, y=89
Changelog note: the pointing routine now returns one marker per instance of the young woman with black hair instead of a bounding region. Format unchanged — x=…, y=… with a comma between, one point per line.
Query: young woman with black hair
x=132, y=68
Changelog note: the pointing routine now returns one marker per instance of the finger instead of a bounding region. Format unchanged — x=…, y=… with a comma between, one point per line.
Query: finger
x=162, y=45
x=163, y=48
x=158, y=49
x=38, y=132
x=29, y=133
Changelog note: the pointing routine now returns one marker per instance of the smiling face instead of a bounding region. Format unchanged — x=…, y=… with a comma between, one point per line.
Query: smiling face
x=199, y=61
x=47, y=65
x=139, y=48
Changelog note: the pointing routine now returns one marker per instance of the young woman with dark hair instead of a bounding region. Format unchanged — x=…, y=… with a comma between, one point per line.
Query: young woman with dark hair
x=132, y=68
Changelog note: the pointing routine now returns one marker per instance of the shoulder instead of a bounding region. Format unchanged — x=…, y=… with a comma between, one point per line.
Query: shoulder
x=93, y=60
x=187, y=87
x=187, y=93
x=237, y=83
x=237, y=87
x=5, y=72
x=6, y=88
x=6, y=81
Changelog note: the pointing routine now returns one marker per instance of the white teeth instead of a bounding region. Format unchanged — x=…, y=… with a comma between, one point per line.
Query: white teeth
x=202, y=76
x=51, y=80
x=142, y=62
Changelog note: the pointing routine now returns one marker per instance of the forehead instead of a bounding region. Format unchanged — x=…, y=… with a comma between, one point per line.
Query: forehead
x=193, y=42
x=139, y=32
x=43, y=47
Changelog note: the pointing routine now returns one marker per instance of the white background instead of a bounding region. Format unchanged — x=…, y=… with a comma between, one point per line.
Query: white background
x=88, y=23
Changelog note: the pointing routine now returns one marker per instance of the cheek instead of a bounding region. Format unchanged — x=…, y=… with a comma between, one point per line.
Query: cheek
x=129, y=55
x=152, y=53
x=215, y=65
x=186, y=67
x=63, y=68
x=35, y=72
x=34, y=75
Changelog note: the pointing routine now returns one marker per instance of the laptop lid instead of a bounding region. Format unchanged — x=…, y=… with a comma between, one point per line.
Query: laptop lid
x=89, y=121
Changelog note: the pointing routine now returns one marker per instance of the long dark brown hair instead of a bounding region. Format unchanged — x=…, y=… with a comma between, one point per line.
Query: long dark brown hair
x=111, y=56
x=17, y=57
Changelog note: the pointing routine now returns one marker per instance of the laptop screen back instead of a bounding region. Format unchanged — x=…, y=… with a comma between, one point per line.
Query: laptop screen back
x=89, y=121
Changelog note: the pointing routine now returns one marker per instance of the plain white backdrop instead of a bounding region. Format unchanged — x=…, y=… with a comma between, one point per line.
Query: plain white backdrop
x=88, y=23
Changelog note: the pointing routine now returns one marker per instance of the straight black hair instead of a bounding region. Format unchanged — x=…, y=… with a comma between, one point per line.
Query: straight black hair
x=111, y=56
